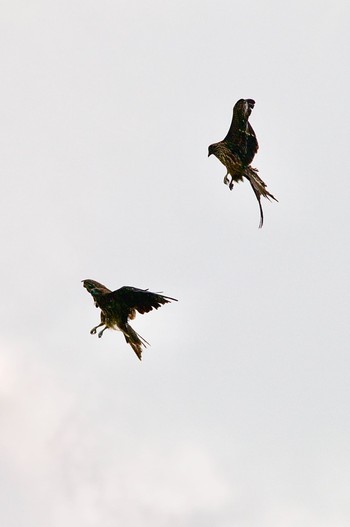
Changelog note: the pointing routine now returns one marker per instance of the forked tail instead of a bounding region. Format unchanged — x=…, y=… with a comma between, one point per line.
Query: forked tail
x=135, y=340
x=259, y=188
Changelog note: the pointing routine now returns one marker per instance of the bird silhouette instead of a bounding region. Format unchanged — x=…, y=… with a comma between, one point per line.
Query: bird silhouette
x=120, y=306
x=237, y=150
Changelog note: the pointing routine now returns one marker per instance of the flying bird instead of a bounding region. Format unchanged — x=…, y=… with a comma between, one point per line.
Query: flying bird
x=237, y=151
x=120, y=306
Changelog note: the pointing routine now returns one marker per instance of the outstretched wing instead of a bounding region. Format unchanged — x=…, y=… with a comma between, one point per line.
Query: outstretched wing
x=131, y=299
x=241, y=136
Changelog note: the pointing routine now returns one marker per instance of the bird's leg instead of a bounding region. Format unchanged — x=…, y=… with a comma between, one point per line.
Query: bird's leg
x=93, y=331
x=226, y=181
x=101, y=332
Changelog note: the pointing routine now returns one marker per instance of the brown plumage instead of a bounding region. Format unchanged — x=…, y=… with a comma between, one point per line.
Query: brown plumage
x=237, y=151
x=120, y=306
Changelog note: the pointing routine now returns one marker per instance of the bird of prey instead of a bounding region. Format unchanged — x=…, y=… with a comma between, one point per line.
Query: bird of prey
x=120, y=306
x=237, y=151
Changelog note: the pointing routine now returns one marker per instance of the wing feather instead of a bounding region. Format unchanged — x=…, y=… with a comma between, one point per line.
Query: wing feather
x=141, y=300
x=241, y=137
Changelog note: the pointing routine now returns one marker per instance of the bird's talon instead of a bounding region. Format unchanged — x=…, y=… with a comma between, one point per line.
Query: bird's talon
x=93, y=331
x=100, y=334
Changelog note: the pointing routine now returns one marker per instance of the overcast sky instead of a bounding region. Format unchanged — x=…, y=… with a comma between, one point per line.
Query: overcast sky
x=238, y=415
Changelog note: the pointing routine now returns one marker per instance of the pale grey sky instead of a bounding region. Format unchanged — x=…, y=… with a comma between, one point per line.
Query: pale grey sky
x=238, y=415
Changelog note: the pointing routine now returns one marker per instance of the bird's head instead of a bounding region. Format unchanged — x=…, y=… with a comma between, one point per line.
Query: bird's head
x=211, y=150
x=244, y=107
x=95, y=288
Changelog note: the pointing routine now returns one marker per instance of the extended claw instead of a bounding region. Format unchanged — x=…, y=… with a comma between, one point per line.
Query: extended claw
x=93, y=331
x=226, y=179
x=101, y=332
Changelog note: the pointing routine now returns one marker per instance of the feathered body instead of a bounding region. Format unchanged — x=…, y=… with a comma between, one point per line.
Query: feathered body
x=120, y=306
x=237, y=151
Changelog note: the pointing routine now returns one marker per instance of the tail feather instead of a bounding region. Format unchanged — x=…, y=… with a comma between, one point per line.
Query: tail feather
x=259, y=188
x=135, y=340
